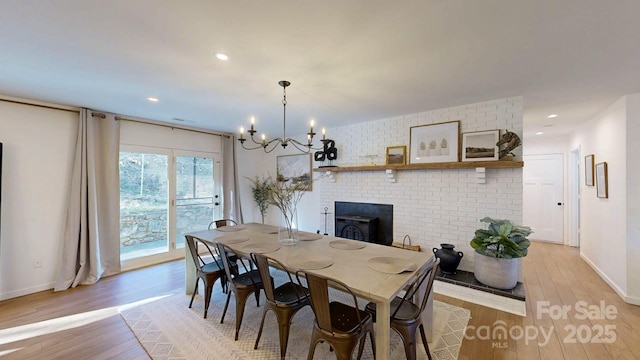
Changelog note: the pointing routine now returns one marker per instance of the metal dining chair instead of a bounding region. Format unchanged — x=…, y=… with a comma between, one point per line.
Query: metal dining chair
x=242, y=285
x=406, y=316
x=208, y=272
x=220, y=223
x=285, y=300
x=342, y=326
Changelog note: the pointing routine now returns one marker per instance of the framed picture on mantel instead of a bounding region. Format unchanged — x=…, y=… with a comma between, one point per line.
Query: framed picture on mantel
x=434, y=143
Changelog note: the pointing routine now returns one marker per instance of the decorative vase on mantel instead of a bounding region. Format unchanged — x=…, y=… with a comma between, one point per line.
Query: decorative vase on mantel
x=288, y=226
x=449, y=259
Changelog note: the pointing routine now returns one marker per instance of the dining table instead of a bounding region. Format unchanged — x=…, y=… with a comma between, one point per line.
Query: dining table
x=374, y=272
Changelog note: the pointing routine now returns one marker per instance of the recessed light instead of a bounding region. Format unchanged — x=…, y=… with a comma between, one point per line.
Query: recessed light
x=539, y=133
x=221, y=56
x=152, y=99
x=552, y=116
x=548, y=125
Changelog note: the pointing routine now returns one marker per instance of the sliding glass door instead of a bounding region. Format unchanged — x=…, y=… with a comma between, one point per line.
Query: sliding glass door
x=164, y=193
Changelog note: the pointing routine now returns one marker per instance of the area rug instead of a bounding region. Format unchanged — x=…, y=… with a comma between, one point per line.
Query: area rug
x=168, y=329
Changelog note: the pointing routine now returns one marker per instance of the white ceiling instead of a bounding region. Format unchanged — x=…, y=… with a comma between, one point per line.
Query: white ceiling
x=348, y=61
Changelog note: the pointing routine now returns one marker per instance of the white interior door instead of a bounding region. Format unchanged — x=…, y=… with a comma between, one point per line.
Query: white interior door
x=543, y=208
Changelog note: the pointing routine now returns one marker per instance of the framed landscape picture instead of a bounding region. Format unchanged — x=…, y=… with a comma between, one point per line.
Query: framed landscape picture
x=295, y=168
x=602, y=186
x=434, y=143
x=588, y=170
x=396, y=155
x=480, y=145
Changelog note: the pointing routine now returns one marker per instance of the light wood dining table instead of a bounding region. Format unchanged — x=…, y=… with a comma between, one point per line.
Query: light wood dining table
x=349, y=266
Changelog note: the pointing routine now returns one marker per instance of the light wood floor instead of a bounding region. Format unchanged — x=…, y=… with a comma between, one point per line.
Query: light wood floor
x=553, y=273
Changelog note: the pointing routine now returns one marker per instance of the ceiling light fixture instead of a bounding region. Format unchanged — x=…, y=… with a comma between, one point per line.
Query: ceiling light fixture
x=152, y=99
x=539, y=133
x=552, y=116
x=269, y=146
x=221, y=56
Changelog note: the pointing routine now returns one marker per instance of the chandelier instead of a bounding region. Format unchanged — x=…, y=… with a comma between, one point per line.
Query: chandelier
x=269, y=146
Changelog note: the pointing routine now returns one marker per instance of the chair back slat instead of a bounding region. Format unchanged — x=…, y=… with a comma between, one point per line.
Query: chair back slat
x=427, y=275
x=262, y=263
x=319, y=292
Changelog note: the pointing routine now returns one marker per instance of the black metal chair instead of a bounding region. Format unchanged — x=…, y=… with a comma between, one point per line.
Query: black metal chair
x=209, y=272
x=285, y=300
x=406, y=315
x=341, y=325
x=242, y=285
x=220, y=223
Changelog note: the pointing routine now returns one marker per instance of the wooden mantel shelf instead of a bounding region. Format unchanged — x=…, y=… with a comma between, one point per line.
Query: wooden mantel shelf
x=441, y=165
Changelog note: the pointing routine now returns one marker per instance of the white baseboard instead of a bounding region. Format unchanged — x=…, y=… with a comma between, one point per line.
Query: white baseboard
x=610, y=282
x=26, y=291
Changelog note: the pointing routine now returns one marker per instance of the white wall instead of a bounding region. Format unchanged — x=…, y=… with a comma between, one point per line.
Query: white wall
x=432, y=206
x=39, y=146
x=604, y=221
x=633, y=198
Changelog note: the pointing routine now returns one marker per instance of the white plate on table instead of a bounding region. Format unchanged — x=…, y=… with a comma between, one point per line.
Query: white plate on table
x=307, y=236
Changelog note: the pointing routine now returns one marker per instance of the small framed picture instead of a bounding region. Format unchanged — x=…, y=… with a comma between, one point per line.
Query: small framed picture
x=588, y=170
x=396, y=155
x=434, y=143
x=602, y=180
x=480, y=145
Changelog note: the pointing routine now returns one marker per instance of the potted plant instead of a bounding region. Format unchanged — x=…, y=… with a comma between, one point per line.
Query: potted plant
x=498, y=249
x=260, y=190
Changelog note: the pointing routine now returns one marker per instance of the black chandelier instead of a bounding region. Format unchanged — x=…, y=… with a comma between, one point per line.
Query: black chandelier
x=269, y=146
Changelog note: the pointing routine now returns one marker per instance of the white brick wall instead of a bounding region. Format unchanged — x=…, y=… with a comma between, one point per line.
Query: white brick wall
x=431, y=206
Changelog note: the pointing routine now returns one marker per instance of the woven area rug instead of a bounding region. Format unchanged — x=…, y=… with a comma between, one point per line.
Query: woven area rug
x=168, y=329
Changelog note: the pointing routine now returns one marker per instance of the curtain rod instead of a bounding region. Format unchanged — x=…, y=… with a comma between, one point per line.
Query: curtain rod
x=39, y=105
x=102, y=116
x=173, y=127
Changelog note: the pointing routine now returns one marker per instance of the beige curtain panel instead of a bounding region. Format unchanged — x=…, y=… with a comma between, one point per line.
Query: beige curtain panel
x=230, y=184
x=91, y=242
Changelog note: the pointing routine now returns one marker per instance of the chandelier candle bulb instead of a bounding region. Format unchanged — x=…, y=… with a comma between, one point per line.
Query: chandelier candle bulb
x=253, y=121
x=323, y=134
x=241, y=132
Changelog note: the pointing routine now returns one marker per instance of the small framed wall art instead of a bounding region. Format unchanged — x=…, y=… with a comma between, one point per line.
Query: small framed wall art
x=480, y=145
x=588, y=170
x=396, y=155
x=602, y=186
x=434, y=143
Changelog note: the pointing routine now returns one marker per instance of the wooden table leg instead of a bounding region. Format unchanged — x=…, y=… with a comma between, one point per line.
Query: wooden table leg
x=383, y=329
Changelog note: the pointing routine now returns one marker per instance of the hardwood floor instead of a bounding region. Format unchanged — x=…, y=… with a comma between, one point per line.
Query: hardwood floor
x=81, y=323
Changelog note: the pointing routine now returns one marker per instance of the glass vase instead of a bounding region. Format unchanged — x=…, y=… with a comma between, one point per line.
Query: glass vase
x=288, y=227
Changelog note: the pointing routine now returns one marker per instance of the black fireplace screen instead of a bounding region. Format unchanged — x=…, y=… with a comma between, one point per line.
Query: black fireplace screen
x=364, y=221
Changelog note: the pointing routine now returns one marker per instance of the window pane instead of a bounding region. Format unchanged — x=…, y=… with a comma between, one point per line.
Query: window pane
x=143, y=204
x=195, y=196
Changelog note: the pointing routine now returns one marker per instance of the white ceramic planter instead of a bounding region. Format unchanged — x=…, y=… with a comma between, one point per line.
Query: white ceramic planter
x=495, y=272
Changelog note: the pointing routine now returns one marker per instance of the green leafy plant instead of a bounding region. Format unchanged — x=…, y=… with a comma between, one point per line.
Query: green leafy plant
x=285, y=195
x=261, y=190
x=432, y=144
x=502, y=239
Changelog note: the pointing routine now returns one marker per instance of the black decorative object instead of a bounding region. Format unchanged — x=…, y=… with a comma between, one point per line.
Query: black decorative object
x=328, y=152
x=325, y=213
x=449, y=259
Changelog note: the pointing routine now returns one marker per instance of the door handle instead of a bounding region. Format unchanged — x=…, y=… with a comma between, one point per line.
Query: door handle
x=559, y=204
x=216, y=203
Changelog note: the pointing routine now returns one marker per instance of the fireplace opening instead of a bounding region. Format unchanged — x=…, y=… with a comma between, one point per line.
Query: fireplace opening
x=364, y=222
